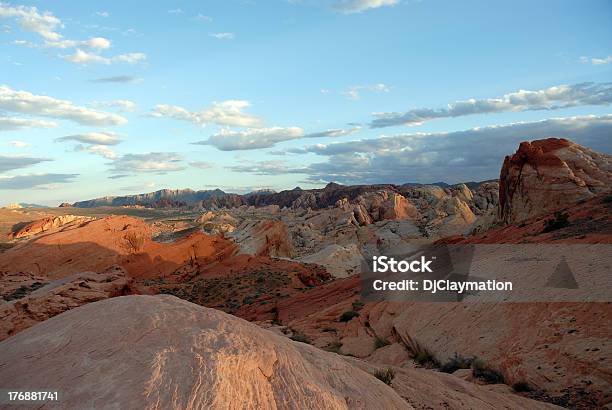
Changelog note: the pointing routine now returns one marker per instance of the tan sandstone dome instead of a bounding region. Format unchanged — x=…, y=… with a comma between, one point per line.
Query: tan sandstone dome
x=169, y=353
x=548, y=175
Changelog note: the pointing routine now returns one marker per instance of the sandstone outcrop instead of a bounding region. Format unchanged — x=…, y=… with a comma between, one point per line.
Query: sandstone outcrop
x=160, y=351
x=46, y=224
x=59, y=296
x=549, y=175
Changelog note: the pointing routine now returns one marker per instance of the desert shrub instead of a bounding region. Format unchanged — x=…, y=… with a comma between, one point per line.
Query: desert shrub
x=607, y=199
x=521, y=387
x=559, y=221
x=425, y=358
x=381, y=342
x=133, y=242
x=481, y=371
x=385, y=376
x=300, y=337
x=455, y=363
x=346, y=316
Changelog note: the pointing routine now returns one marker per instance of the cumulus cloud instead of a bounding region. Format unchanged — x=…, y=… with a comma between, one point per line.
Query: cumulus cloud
x=153, y=162
x=229, y=113
x=257, y=138
x=553, y=98
x=9, y=162
x=24, y=102
x=470, y=155
x=30, y=19
x=358, y=6
x=122, y=105
x=12, y=123
x=93, y=138
x=122, y=79
x=223, y=36
x=34, y=181
x=46, y=25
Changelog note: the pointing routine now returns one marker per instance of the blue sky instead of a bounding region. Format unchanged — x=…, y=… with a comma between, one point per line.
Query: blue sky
x=108, y=98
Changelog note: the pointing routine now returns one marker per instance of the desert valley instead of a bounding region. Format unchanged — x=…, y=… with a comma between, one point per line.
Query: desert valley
x=197, y=299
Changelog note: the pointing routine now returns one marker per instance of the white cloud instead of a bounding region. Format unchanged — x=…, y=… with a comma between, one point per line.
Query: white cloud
x=358, y=6
x=47, y=25
x=101, y=150
x=252, y=138
x=227, y=113
x=596, y=61
x=257, y=138
x=261, y=168
x=103, y=14
x=553, y=98
x=12, y=123
x=353, y=92
x=122, y=105
x=125, y=79
x=84, y=57
x=27, y=103
x=153, y=162
x=223, y=36
x=30, y=19
x=19, y=144
x=94, y=138
x=175, y=11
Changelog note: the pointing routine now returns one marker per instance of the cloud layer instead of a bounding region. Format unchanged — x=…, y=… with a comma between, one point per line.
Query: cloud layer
x=553, y=98
x=470, y=155
x=24, y=102
x=9, y=163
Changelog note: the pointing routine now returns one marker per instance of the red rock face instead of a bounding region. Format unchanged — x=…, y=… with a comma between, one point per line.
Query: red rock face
x=549, y=175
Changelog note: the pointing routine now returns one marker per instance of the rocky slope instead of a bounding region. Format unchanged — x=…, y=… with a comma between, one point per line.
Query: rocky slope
x=547, y=175
x=167, y=353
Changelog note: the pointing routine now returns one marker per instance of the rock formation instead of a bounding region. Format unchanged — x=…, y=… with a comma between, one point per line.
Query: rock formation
x=59, y=296
x=548, y=175
x=46, y=224
x=160, y=351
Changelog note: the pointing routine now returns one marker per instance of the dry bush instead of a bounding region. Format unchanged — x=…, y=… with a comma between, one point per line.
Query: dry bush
x=133, y=242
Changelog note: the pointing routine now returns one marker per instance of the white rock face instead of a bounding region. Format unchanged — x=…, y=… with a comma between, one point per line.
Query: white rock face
x=162, y=352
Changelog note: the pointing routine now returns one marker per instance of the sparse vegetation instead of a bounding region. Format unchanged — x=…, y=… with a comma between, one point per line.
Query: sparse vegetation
x=23, y=291
x=133, y=242
x=559, y=221
x=347, y=316
x=426, y=359
x=385, y=376
x=481, y=371
x=381, y=342
x=455, y=363
x=521, y=387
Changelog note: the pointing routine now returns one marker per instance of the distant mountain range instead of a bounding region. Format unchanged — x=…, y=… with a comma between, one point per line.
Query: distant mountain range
x=216, y=198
